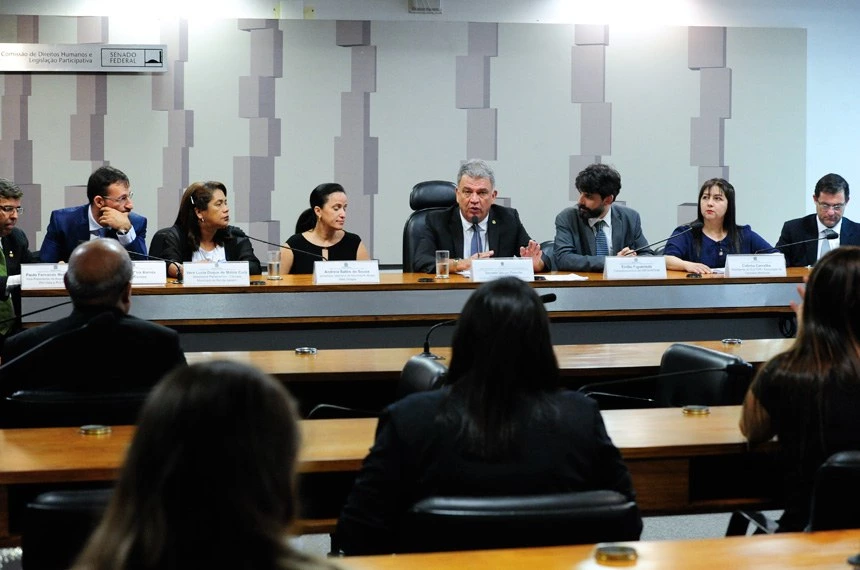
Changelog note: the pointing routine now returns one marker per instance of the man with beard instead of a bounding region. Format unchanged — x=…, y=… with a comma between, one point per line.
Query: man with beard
x=475, y=227
x=14, y=250
x=596, y=227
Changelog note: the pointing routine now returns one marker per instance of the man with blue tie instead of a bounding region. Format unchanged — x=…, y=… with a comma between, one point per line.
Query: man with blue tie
x=108, y=213
x=475, y=227
x=801, y=239
x=596, y=226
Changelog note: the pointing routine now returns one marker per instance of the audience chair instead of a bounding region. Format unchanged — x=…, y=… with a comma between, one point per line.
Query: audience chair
x=57, y=524
x=689, y=375
x=425, y=197
x=835, y=503
x=470, y=523
x=421, y=374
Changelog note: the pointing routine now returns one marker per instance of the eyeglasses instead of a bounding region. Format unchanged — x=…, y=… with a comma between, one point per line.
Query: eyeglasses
x=121, y=200
x=834, y=207
x=10, y=209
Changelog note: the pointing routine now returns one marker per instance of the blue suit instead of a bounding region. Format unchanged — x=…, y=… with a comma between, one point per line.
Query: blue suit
x=70, y=226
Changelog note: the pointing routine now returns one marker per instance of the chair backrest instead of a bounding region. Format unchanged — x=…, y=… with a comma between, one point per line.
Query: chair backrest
x=835, y=498
x=468, y=523
x=425, y=197
x=691, y=374
x=419, y=374
x=57, y=524
x=547, y=248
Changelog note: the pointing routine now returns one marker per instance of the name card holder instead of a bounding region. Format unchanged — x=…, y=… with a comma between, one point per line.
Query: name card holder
x=346, y=272
x=755, y=265
x=489, y=268
x=42, y=276
x=634, y=267
x=218, y=274
x=149, y=273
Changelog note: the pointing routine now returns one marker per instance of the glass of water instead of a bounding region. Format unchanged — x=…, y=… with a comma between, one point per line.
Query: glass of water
x=274, y=266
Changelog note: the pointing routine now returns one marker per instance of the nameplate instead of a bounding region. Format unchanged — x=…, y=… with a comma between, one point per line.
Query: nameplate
x=755, y=265
x=346, y=272
x=42, y=276
x=490, y=268
x=149, y=273
x=634, y=267
x=220, y=273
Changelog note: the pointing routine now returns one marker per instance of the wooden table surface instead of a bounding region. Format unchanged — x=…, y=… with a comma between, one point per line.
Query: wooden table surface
x=580, y=360
x=819, y=550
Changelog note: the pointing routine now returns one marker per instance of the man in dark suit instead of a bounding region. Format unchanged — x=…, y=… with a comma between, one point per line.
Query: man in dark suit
x=107, y=214
x=831, y=196
x=596, y=217
x=15, y=250
x=99, y=345
x=475, y=227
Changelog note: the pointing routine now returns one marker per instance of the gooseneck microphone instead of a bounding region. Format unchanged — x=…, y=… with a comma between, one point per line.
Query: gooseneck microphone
x=696, y=225
x=828, y=234
x=285, y=246
x=37, y=311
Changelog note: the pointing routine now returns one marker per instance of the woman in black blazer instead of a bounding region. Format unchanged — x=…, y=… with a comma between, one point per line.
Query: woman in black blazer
x=502, y=425
x=202, y=232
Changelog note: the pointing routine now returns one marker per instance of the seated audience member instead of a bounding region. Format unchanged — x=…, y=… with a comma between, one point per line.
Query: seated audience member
x=202, y=232
x=502, y=425
x=99, y=283
x=475, y=227
x=320, y=233
x=830, y=197
x=596, y=226
x=208, y=481
x=14, y=250
x=701, y=249
x=809, y=395
x=107, y=214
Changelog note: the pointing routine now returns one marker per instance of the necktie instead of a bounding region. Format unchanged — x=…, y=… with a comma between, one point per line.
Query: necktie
x=602, y=248
x=825, y=247
x=476, y=239
x=7, y=310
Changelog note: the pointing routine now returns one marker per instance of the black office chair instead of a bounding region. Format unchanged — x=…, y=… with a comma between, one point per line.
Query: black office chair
x=689, y=375
x=835, y=503
x=421, y=374
x=470, y=523
x=57, y=524
x=425, y=197
x=547, y=248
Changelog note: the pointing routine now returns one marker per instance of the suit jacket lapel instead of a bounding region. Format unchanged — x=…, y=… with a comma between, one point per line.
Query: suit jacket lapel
x=811, y=250
x=456, y=228
x=617, y=230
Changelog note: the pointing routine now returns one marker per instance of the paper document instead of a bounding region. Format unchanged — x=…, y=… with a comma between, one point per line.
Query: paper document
x=564, y=277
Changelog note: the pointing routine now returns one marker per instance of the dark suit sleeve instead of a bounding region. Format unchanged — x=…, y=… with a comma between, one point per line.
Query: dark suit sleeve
x=428, y=243
x=794, y=255
x=368, y=522
x=53, y=244
x=139, y=243
x=166, y=245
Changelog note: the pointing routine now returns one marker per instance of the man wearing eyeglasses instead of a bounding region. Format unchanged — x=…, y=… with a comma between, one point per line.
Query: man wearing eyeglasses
x=108, y=213
x=15, y=250
x=808, y=233
x=475, y=227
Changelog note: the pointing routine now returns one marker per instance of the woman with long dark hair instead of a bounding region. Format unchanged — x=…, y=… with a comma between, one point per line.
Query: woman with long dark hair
x=809, y=395
x=703, y=248
x=202, y=232
x=209, y=478
x=502, y=425
x=319, y=230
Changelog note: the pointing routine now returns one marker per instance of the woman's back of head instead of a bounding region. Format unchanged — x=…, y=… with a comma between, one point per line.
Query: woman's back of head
x=208, y=477
x=502, y=356
x=831, y=304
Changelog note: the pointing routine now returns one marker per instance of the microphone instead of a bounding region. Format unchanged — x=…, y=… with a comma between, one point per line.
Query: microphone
x=291, y=248
x=168, y=261
x=37, y=311
x=640, y=385
x=546, y=298
x=695, y=225
x=828, y=234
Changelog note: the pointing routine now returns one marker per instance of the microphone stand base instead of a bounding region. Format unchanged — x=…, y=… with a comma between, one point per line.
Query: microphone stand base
x=431, y=355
